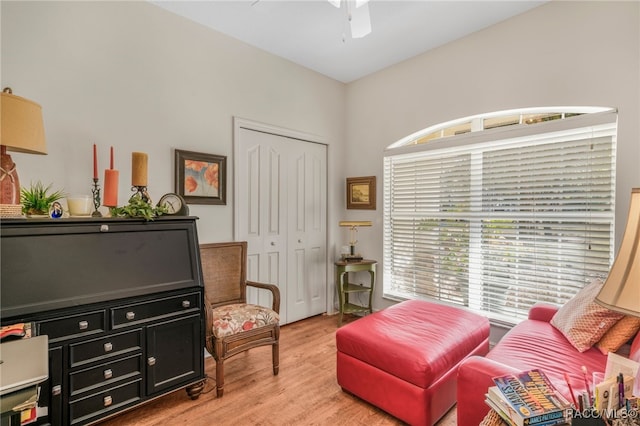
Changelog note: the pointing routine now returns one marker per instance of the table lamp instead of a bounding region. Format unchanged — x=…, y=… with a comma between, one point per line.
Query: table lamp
x=621, y=290
x=354, y=224
x=22, y=130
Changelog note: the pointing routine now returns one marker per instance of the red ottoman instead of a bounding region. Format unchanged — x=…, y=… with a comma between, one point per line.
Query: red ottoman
x=403, y=359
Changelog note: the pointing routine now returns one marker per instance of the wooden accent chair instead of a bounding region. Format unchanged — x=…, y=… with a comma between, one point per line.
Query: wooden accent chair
x=233, y=325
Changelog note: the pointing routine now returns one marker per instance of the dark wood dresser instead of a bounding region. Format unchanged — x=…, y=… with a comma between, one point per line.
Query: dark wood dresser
x=121, y=301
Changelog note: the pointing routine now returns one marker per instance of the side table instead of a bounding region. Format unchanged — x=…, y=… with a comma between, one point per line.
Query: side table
x=345, y=288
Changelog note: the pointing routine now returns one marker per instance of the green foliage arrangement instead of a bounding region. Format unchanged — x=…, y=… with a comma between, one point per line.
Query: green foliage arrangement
x=37, y=199
x=138, y=207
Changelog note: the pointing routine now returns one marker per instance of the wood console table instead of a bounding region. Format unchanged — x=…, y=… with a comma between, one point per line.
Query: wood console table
x=121, y=301
x=345, y=288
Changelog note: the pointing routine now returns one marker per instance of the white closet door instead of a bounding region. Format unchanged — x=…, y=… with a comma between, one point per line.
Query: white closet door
x=306, y=242
x=281, y=213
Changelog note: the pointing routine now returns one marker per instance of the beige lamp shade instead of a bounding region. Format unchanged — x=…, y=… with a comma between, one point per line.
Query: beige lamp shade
x=22, y=125
x=621, y=290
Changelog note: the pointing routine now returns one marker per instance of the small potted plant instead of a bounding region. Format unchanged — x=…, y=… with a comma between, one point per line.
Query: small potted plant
x=37, y=199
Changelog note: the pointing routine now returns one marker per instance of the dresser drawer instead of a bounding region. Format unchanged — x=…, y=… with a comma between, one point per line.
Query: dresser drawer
x=73, y=326
x=151, y=310
x=105, y=374
x=102, y=403
x=105, y=347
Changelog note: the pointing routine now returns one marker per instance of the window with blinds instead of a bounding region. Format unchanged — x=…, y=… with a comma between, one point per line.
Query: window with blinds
x=500, y=220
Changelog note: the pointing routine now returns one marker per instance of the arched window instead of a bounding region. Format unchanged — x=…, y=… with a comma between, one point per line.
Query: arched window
x=494, y=213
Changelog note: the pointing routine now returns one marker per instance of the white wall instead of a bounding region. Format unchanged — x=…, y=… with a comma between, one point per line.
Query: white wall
x=132, y=75
x=561, y=53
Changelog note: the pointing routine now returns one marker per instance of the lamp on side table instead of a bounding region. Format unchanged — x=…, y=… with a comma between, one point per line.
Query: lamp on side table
x=353, y=224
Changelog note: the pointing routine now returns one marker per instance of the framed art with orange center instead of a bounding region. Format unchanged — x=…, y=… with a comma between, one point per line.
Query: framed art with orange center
x=201, y=178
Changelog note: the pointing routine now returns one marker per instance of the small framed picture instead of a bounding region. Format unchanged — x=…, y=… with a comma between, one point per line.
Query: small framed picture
x=361, y=193
x=55, y=210
x=201, y=178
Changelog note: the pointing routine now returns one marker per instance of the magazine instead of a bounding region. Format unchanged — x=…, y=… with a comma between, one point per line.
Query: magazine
x=497, y=401
x=529, y=398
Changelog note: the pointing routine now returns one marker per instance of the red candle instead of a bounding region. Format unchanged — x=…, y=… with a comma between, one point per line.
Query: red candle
x=110, y=188
x=95, y=162
x=111, y=165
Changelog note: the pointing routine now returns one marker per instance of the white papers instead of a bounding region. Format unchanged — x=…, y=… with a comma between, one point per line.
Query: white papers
x=617, y=364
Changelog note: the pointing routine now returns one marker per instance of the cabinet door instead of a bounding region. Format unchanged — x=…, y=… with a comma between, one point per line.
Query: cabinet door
x=174, y=353
x=51, y=391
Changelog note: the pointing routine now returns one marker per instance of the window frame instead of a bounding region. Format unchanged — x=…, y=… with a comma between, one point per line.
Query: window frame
x=498, y=138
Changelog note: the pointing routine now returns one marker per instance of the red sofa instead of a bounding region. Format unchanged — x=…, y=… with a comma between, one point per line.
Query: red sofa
x=533, y=343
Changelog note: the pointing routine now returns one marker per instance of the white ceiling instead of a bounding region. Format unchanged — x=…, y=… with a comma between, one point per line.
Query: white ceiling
x=315, y=34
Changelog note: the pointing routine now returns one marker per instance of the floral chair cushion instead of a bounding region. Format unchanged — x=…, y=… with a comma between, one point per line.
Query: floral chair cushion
x=239, y=317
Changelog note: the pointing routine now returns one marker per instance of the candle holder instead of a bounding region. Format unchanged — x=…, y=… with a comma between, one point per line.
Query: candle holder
x=141, y=192
x=96, y=198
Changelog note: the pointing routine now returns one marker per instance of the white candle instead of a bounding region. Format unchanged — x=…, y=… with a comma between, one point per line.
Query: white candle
x=79, y=205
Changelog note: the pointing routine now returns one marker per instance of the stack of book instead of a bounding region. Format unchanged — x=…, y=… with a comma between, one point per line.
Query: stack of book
x=527, y=399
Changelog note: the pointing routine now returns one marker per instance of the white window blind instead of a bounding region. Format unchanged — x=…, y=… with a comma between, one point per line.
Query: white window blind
x=498, y=223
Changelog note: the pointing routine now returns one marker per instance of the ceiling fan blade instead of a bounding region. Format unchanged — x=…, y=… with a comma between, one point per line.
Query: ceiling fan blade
x=360, y=21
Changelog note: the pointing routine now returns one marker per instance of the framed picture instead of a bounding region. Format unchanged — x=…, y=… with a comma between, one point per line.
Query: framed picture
x=201, y=178
x=361, y=193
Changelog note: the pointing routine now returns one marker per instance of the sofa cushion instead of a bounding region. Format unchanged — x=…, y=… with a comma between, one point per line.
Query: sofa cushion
x=239, y=317
x=536, y=344
x=582, y=321
x=619, y=334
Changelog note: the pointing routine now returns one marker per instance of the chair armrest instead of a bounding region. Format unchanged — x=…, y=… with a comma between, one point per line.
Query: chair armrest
x=273, y=289
x=542, y=311
x=475, y=376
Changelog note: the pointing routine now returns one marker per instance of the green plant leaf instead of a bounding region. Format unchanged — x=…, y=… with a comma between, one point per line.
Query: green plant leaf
x=138, y=207
x=36, y=199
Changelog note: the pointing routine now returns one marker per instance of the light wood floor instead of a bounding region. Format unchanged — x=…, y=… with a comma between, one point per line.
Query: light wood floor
x=304, y=393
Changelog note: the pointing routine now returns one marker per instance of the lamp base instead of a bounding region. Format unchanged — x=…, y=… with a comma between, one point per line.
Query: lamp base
x=9, y=182
x=351, y=257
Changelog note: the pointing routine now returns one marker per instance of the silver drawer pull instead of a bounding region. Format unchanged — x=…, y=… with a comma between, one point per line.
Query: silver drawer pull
x=83, y=325
x=108, y=373
x=186, y=303
x=108, y=347
x=151, y=361
x=56, y=390
x=104, y=228
x=130, y=315
x=108, y=401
